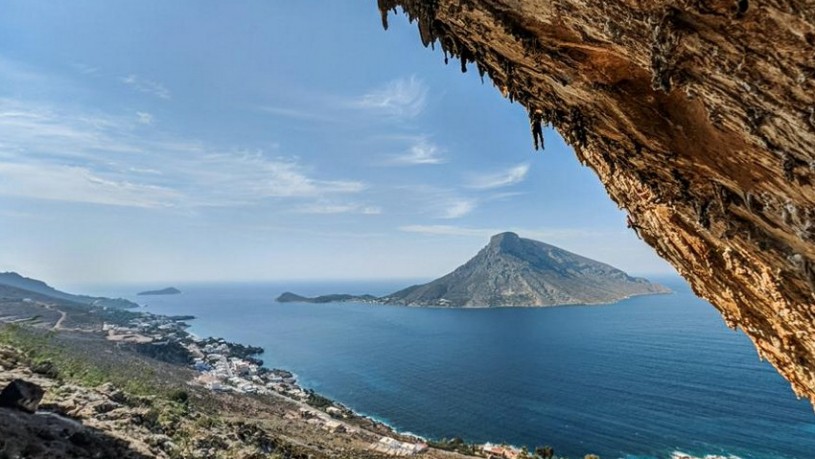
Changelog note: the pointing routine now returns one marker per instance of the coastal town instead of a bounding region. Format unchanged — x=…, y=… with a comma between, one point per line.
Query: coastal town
x=230, y=367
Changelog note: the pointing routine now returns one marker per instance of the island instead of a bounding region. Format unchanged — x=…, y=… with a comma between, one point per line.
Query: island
x=513, y=271
x=164, y=291
x=289, y=297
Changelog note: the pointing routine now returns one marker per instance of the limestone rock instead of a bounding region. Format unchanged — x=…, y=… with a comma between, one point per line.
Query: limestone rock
x=699, y=118
x=21, y=395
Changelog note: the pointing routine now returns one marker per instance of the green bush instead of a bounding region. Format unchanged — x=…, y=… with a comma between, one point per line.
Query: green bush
x=57, y=361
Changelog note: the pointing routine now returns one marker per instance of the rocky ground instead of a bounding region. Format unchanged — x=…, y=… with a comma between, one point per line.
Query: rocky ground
x=77, y=421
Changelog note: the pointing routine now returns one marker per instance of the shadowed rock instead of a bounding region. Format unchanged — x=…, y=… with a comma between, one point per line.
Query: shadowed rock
x=21, y=395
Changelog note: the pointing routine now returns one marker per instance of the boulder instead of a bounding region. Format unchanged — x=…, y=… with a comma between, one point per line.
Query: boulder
x=21, y=395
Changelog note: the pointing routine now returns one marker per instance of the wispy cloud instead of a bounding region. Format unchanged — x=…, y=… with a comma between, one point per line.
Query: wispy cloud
x=78, y=184
x=345, y=208
x=246, y=177
x=400, y=98
x=85, y=69
x=146, y=86
x=422, y=152
x=297, y=113
x=436, y=202
x=508, y=177
x=458, y=208
x=144, y=118
x=68, y=155
x=35, y=128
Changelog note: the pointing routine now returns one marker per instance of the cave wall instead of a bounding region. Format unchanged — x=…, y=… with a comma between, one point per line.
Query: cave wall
x=699, y=119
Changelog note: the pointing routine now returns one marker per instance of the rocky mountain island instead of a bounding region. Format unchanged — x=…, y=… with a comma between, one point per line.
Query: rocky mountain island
x=164, y=291
x=514, y=271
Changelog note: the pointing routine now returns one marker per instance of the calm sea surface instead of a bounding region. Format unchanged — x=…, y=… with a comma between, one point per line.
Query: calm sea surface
x=642, y=378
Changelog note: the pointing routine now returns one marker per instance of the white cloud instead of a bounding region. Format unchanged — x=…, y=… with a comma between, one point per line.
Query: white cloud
x=146, y=86
x=252, y=176
x=297, y=113
x=323, y=208
x=458, y=208
x=421, y=152
x=508, y=177
x=85, y=69
x=108, y=155
x=78, y=184
x=144, y=118
x=436, y=202
x=29, y=128
x=400, y=98
x=371, y=210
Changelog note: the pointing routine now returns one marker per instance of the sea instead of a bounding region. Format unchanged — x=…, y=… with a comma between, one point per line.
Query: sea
x=640, y=379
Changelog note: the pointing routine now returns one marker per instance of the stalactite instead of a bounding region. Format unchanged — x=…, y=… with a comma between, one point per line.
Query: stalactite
x=385, y=6
x=536, y=122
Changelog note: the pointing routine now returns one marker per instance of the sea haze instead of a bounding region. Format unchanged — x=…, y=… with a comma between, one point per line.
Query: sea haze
x=642, y=378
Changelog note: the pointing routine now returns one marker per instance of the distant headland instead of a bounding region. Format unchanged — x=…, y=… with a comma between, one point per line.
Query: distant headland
x=14, y=280
x=289, y=297
x=512, y=271
x=164, y=291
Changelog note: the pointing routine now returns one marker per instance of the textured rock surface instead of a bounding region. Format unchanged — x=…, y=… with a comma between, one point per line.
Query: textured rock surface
x=512, y=271
x=21, y=395
x=699, y=118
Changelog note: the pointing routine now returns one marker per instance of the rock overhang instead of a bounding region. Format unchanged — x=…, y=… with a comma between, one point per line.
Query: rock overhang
x=699, y=119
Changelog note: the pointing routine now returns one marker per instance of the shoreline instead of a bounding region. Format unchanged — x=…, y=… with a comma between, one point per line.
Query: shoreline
x=386, y=429
x=435, y=306
x=231, y=367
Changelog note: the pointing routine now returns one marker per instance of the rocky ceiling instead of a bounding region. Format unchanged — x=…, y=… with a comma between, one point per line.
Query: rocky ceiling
x=699, y=118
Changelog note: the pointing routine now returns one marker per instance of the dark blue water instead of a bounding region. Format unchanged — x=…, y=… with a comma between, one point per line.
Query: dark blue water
x=641, y=378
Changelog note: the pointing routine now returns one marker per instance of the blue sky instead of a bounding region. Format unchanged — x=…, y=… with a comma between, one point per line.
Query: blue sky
x=207, y=140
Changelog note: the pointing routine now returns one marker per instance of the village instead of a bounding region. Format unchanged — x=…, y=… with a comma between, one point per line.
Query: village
x=229, y=367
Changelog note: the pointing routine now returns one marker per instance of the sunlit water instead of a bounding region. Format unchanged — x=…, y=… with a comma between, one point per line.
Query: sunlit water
x=642, y=378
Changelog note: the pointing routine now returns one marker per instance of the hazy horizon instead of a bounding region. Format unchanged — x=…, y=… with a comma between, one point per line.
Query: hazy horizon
x=262, y=141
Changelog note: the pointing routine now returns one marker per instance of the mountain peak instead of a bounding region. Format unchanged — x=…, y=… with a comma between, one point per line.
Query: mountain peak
x=505, y=241
x=505, y=235
x=511, y=271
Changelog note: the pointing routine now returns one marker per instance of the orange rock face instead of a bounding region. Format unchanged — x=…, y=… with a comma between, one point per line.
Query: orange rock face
x=699, y=118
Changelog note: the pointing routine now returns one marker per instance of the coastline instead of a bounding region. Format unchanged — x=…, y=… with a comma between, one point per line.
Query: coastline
x=305, y=384
x=243, y=372
x=435, y=306
x=385, y=428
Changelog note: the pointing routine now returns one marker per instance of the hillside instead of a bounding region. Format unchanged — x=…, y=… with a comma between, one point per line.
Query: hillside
x=12, y=279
